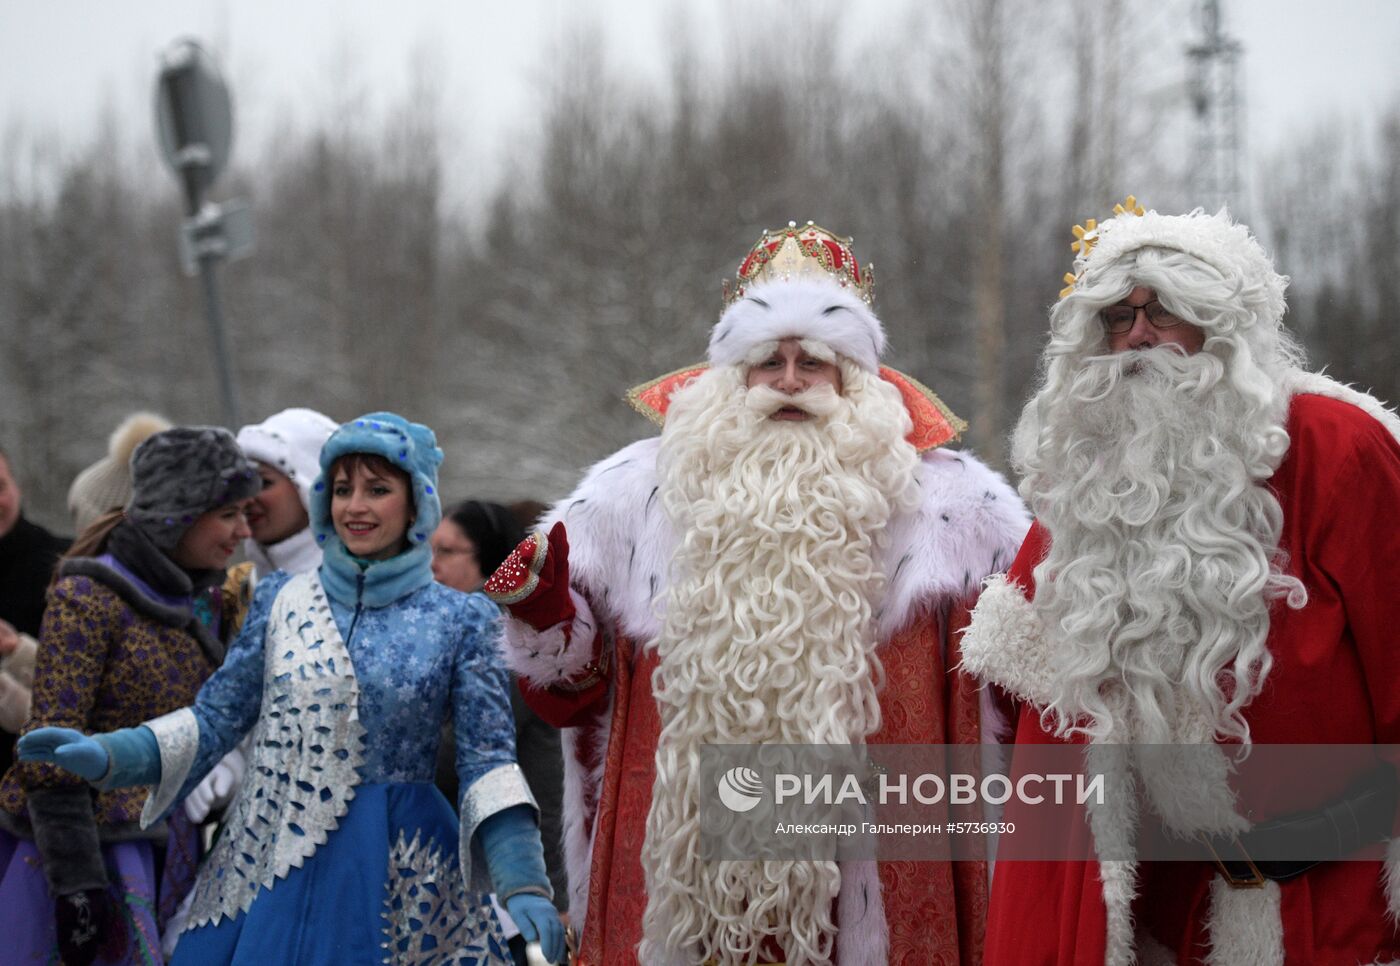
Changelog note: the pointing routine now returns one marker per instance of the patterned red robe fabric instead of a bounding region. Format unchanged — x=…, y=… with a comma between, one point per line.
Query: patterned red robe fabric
x=935, y=910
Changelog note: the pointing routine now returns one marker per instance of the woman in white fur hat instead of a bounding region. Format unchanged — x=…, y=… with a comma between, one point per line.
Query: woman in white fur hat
x=286, y=448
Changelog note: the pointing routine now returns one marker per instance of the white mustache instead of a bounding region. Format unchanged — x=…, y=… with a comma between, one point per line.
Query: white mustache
x=819, y=401
x=1098, y=376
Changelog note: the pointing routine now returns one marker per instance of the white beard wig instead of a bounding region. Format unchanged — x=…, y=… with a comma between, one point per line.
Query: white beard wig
x=768, y=634
x=1148, y=469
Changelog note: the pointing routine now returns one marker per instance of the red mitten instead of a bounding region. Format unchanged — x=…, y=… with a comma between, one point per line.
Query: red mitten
x=533, y=582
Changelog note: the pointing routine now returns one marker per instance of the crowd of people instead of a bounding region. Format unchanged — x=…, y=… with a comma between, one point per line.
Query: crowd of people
x=398, y=733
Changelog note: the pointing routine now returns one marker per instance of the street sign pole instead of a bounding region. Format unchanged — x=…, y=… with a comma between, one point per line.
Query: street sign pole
x=194, y=126
x=227, y=391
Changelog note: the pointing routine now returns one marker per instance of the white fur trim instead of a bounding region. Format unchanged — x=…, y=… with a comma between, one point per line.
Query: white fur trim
x=1005, y=643
x=620, y=549
x=863, y=934
x=969, y=524
x=1215, y=239
x=1114, y=827
x=581, y=791
x=620, y=542
x=550, y=656
x=1317, y=384
x=1390, y=877
x=1245, y=926
x=801, y=308
x=1188, y=784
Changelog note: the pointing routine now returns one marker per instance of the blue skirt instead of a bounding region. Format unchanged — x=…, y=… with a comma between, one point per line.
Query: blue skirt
x=386, y=887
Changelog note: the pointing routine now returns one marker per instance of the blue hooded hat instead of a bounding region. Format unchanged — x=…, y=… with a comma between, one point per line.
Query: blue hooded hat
x=411, y=447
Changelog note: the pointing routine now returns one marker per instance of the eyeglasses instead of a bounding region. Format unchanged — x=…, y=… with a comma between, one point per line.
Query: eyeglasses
x=1118, y=319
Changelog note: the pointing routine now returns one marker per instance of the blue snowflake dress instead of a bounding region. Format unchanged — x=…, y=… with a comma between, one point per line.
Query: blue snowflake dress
x=339, y=848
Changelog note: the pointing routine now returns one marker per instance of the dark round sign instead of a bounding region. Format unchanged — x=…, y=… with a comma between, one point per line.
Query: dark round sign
x=194, y=114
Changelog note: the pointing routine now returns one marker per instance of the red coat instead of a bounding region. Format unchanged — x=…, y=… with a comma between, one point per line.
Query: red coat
x=934, y=910
x=620, y=546
x=1335, y=680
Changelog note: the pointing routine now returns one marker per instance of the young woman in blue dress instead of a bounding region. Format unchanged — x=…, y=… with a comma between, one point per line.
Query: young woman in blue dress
x=339, y=848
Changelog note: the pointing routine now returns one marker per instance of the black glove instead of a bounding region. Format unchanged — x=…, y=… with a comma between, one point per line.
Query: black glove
x=87, y=924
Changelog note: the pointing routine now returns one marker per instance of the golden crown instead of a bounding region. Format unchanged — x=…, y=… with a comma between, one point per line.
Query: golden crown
x=801, y=252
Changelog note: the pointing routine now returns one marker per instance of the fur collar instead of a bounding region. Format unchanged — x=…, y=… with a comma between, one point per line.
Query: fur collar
x=138, y=597
x=381, y=582
x=1315, y=383
x=968, y=524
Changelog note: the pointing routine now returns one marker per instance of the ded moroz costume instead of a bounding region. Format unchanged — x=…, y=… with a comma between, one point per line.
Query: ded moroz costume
x=1212, y=565
x=826, y=537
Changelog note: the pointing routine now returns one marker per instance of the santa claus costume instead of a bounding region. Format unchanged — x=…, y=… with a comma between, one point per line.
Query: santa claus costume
x=1212, y=565
x=745, y=580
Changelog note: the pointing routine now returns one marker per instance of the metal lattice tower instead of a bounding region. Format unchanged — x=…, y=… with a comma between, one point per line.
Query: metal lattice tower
x=1216, y=106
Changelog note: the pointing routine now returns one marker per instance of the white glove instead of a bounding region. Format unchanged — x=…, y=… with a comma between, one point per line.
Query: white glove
x=217, y=789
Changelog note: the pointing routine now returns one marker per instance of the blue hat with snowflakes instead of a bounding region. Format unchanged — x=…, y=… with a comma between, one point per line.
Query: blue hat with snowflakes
x=411, y=447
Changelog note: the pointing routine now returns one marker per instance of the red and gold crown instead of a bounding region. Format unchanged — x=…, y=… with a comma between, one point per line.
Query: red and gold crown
x=793, y=252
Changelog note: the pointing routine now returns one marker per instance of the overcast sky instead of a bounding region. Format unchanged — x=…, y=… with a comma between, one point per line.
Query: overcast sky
x=63, y=61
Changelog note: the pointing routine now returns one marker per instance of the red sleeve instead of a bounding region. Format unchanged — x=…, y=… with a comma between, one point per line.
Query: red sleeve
x=1032, y=552
x=1358, y=545
x=1022, y=573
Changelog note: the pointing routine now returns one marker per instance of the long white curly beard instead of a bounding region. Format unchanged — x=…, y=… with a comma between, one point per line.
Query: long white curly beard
x=1148, y=469
x=768, y=637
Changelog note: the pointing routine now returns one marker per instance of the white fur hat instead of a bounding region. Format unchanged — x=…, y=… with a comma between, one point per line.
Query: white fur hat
x=803, y=309
x=1217, y=240
x=290, y=442
x=802, y=283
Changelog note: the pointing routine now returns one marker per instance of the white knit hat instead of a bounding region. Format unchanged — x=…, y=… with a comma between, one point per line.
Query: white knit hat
x=290, y=442
x=106, y=484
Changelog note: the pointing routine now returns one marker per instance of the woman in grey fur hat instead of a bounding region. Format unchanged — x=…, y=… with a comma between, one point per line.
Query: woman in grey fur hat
x=122, y=640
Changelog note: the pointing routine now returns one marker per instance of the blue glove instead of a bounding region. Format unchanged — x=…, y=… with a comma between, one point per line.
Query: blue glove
x=68, y=749
x=116, y=759
x=538, y=920
x=511, y=841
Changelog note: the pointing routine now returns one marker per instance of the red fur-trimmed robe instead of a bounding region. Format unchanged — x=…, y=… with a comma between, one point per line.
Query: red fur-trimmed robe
x=904, y=913
x=1335, y=680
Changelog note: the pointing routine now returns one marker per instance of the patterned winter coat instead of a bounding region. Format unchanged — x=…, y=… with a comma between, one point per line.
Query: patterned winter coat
x=112, y=654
